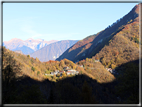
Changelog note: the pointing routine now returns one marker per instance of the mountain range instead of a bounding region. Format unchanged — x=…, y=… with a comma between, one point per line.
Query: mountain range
x=28, y=46
x=43, y=50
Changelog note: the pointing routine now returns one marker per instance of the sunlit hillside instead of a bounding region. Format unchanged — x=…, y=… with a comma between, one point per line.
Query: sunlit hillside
x=100, y=69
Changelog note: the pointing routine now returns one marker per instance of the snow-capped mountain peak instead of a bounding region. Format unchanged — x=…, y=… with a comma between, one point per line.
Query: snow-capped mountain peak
x=34, y=44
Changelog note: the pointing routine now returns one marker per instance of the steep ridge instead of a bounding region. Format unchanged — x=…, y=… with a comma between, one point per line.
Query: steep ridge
x=52, y=51
x=91, y=45
x=123, y=47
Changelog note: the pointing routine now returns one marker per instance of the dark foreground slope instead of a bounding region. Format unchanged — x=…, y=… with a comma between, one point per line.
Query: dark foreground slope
x=21, y=86
x=79, y=89
x=125, y=30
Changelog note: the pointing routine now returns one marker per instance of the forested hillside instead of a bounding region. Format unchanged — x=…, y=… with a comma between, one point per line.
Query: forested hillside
x=27, y=80
x=24, y=81
x=122, y=34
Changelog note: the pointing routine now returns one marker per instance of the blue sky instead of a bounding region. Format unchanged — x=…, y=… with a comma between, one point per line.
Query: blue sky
x=59, y=21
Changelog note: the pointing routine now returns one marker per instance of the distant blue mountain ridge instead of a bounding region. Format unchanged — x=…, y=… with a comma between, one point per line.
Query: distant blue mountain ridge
x=44, y=50
x=26, y=50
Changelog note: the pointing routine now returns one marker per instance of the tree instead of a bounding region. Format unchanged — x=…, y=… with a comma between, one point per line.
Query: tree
x=67, y=62
x=104, y=61
x=9, y=70
x=136, y=40
x=28, y=56
x=87, y=59
x=62, y=64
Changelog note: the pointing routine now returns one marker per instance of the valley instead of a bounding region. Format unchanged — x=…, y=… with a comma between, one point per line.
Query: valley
x=100, y=69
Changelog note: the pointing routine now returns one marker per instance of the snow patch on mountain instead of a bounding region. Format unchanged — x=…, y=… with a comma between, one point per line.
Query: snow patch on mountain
x=41, y=45
x=31, y=45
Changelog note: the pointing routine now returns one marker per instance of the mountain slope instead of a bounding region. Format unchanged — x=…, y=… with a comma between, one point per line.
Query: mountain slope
x=123, y=47
x=13, y=43
x=37, y=44
x=24, y=78
x=25, y=50
x=53, y=51
x=91, y=45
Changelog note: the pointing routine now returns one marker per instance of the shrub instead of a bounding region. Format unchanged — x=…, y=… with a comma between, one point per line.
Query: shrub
x=38, y=72
x=136, y=40
x=33, y=69
x=113, y=66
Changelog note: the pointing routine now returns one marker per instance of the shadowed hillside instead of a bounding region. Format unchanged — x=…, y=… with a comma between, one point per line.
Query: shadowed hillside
x=79, y=89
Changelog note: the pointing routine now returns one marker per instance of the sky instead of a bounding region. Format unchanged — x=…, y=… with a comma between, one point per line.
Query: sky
x=59, y=21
